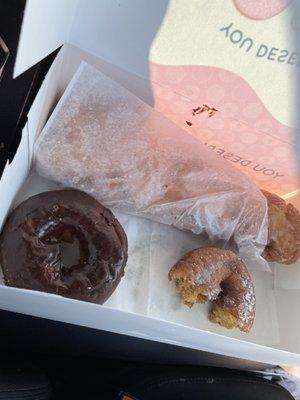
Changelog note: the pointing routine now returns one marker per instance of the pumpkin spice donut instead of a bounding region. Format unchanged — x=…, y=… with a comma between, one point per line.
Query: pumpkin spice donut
x=283, y=231
x=219, y=276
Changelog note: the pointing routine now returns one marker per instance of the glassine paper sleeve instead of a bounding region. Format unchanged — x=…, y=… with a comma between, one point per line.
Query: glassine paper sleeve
x=104, y=140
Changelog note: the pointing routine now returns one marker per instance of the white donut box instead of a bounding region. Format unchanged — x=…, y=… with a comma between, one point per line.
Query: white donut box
x=116, y=36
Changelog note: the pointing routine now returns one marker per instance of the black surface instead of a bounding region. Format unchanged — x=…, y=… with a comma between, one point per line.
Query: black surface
x=21, y=380
x=12, y=93
x=21, y=333
x=168, y=383
x=97, y=378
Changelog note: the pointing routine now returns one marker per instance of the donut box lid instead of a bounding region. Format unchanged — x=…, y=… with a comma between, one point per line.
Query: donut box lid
x=228, y=60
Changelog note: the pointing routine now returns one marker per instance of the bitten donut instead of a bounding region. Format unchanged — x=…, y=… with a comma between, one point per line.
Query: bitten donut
x=219, y=276
x=64, y=242
x=283, y=231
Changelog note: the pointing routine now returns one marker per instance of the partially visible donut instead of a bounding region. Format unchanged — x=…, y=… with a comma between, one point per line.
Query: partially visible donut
x=283, y=231
x=220, y=276
x=64, y=242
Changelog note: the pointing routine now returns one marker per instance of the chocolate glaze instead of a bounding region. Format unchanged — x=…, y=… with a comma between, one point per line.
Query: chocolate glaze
x=37, y=231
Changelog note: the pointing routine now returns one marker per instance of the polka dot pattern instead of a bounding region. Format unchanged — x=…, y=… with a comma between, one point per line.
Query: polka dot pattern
x=215, y=93
x=261, y=9
x=248, y=137
x=242, y=126
x=252, y=110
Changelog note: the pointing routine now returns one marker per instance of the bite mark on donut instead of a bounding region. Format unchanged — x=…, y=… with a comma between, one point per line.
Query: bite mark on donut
x=220, y=276
x=223, y=317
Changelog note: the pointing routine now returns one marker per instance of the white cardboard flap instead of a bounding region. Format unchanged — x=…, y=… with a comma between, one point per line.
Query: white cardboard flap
x=46, y=26
x=119, y=31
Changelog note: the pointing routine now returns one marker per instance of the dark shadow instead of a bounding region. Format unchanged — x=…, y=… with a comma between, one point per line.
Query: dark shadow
x=16, y=95
x=12, y=95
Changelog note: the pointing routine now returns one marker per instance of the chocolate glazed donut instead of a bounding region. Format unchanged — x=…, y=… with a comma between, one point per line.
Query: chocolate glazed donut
x=64, y=242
